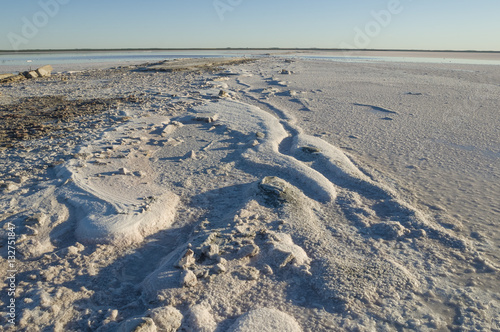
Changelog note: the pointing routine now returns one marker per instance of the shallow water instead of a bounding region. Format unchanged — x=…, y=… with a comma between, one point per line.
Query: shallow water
x=403, y=59
x=26, y=61
x=51, y=58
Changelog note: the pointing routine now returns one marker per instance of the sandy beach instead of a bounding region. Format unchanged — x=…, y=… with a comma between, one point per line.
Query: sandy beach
x=252, y=194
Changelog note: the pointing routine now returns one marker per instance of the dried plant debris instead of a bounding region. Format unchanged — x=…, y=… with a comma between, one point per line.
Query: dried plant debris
x=36, y=117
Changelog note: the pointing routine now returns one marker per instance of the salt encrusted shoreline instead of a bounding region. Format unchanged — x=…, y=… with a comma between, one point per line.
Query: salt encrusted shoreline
x=272, y=192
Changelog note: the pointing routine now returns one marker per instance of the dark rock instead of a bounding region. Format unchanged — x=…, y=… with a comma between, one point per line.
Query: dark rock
x=30, y=74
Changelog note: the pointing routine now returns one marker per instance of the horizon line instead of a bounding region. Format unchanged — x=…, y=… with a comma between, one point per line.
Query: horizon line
x=241, y=49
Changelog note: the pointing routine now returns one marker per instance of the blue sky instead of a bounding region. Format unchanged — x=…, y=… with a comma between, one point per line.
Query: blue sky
x=382, y=24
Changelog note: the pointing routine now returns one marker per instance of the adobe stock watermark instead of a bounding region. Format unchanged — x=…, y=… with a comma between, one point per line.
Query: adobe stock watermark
x=224, y=6
x=11, y=278
x=32, y=26
x=372, y=29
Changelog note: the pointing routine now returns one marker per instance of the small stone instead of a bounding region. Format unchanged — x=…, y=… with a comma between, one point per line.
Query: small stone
x=262, y=319
x=389, y=230
x=250, y=250
x=211, y=251
x=282, y=259
x=419, y=233
x=20, y=179
x=30, y=231
x=123, y=171
x=44, y=71
x=223, y=94
x=277, y=190
x=187, y=260
x=9, y=187
x=310, y=149
x=113, y=315
x=260, y=135
x=201, y=273
x=285, y=72
x=200, y=319
x=248, y=273
x=82, y=156
x=285, y=252
x=142, y=324
x=170, y=128
x=168, y=319
x=30, y=74
x=37, y=219
x=189, y=279
x=219, y=268
x=71, y=251
x=208, y=118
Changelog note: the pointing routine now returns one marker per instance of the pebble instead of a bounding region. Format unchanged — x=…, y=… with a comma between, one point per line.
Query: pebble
x=248, y=273
x=211, y=251
x=113, y=315
x=142, y=324
x=37, y=219
x=123, y=171
x=200, y=319
x=170, y=128
x=223, y=94
x=208, y=118
x=201, y=273
x=267, y=270
x=188, y=279
x=9, y=187
x=250, y=250
x=262, y=319
x=187, y=260
x=140, y=174
x=219, y=268
x=30, y=231
x=167, y=319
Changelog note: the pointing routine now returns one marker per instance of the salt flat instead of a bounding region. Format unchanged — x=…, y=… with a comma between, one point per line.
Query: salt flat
x=307, y=195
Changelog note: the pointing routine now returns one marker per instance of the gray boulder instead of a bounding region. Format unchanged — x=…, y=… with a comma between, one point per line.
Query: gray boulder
x=30, y=74
x=45, y=71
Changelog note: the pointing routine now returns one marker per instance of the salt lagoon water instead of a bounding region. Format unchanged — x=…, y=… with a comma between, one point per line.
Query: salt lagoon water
x=63, y=60
x=24, y=60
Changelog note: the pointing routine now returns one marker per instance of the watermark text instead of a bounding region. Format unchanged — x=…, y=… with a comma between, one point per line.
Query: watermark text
x=224, y=6
x=31, y=26
x=381, y=19
x=11, y=274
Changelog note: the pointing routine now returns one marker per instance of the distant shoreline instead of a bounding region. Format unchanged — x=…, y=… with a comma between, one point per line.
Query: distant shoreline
x=241, y=49
x=314, y=53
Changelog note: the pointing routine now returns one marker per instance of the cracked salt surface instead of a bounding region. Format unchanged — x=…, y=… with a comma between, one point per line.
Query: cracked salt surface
x=240, y=211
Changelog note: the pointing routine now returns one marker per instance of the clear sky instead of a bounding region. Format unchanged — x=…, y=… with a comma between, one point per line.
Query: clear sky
x=378, y=24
